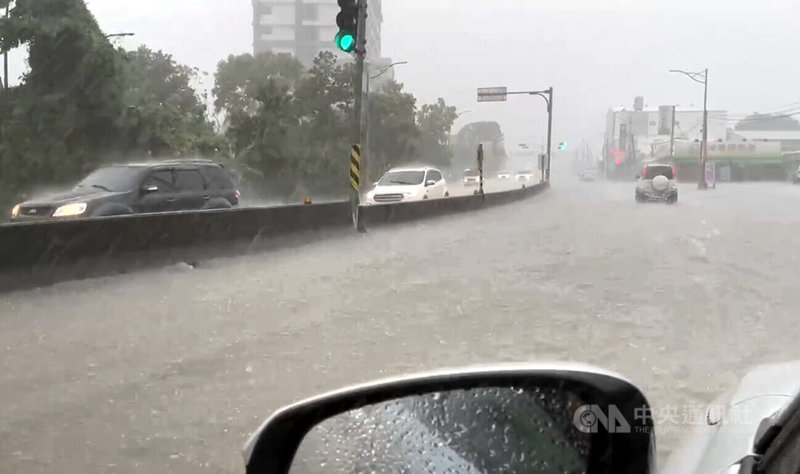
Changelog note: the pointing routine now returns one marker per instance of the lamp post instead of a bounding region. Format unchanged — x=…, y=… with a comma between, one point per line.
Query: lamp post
x=450, y=132
x=386, y=69
x=701, y=77
x=119, y=35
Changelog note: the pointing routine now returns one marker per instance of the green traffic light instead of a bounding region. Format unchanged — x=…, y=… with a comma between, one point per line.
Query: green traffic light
x=345, y=41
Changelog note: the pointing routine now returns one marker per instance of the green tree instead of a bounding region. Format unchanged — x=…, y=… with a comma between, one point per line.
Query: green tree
x=239, y=78
x=394, y=134
x=163, y=114
x=435, y=123
x=256, y=96
x=475, y=133
x=63, y=117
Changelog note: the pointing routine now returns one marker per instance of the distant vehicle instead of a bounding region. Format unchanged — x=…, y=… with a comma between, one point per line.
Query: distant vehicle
x=796, y=177
x=524, y=175
x=657, y=183
x=504, y=175
x=166, y=186
x=472, y=177
x=409, y=184
x=587, y=175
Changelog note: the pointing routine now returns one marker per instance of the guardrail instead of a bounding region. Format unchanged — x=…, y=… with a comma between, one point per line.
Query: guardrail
x=43, y=247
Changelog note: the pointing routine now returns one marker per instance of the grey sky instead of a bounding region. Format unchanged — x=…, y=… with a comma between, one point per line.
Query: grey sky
x=596, y=54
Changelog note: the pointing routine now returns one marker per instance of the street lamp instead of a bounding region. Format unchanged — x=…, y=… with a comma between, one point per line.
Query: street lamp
x=701, y=77
x=386, y=69
x=450, y=132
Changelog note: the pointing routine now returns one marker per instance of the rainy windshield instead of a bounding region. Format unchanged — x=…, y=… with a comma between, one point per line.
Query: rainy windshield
x=402, y=178
x=115, y=178
x=154, y=328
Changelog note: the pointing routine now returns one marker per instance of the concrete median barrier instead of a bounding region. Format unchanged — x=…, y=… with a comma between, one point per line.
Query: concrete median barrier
x=47, y=243
x=44, y=248
x=382, y=214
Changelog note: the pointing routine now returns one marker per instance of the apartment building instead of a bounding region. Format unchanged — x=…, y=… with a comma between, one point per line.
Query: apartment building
x=303, y=28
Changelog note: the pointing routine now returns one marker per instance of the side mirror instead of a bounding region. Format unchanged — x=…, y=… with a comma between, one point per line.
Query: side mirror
x=512, y=418
x=430, y=182
x=151, y=188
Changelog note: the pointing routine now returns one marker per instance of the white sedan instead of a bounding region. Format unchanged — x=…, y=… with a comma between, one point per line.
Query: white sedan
x=408, y=184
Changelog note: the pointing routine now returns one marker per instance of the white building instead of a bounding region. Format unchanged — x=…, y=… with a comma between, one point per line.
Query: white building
x=634, y=133
x=303, y=28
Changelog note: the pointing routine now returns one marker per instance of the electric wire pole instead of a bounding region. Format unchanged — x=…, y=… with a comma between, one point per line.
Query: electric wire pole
x=701, y=77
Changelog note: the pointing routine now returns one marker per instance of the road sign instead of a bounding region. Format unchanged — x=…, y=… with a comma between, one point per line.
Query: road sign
x=492, y=94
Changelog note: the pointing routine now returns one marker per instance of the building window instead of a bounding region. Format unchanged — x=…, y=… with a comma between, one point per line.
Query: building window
x=266, y=9
x=652, y=123
x=310, y=12
x=266, y=30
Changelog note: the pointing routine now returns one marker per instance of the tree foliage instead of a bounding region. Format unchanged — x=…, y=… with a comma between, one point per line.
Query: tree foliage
x=163, y=115
x=475, y=133
x=83, y=101
x=291, y=129
x=287, y=129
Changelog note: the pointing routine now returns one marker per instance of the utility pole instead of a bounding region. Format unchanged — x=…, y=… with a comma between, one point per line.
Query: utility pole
x=672, y=136
x=5, y=54
x=704, y=152
x=701, y=78
x=549, y=129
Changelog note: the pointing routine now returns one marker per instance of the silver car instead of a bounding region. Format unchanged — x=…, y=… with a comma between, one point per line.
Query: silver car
x=657, y=183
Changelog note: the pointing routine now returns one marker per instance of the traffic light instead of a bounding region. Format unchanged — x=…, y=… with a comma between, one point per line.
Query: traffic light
x=562, y=146
x=347, y=21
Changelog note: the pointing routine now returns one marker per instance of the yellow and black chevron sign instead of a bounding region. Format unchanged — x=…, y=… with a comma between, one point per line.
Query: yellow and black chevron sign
x=355, y=167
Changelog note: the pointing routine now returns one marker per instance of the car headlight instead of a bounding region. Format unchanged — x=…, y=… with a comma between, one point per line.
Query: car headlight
x=74, y=209
x=15, y=211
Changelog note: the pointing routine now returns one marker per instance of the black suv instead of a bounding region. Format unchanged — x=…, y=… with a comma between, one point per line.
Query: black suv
x=166, y=186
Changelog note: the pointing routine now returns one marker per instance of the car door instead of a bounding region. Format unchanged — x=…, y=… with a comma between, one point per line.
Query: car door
x=191, y=190
x=157, y=193
x=439, y=188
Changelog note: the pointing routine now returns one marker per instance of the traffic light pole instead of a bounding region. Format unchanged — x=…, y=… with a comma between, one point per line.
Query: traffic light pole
x=549, y=128
x=358, y=112
x=546, y=94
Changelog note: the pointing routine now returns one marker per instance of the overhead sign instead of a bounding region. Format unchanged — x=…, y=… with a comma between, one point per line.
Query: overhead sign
x=492, y=94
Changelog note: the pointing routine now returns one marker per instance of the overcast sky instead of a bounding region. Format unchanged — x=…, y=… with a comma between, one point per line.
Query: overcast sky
x=596, y=54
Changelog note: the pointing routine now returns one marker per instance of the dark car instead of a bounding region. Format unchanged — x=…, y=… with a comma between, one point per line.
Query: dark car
x=166, y=186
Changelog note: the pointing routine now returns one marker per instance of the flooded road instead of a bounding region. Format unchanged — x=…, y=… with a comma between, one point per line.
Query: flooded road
x=170, y=370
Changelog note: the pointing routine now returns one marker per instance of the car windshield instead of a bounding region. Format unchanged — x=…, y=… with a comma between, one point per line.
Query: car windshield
x=400, y=178
x=653, y=171
x=112, y=178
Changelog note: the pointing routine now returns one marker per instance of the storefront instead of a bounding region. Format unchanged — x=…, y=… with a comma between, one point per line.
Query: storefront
x=738, y=161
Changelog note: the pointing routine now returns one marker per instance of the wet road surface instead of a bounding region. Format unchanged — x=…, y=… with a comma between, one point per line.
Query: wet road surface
x=170, y=370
